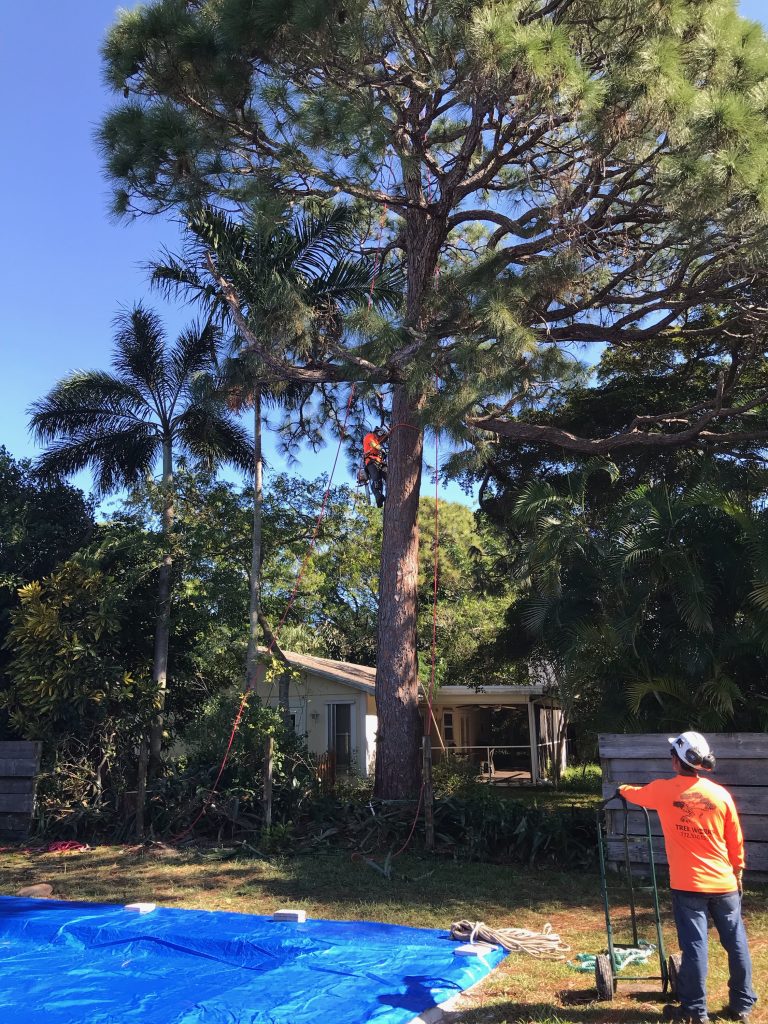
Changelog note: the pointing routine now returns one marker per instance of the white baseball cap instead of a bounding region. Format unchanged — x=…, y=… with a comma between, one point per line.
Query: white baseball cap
x=693, y=750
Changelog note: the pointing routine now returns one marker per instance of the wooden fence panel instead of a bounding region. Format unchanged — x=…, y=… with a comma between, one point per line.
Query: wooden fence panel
x=757, y=853
x=655, y=744
x=19, y=765
x=742, y=767
x=729, y=771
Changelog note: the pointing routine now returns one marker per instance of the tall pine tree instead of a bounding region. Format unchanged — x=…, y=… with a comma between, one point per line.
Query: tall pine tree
x=550, y=173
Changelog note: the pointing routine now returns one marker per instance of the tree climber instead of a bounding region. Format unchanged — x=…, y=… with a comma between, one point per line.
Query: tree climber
x=374, y=458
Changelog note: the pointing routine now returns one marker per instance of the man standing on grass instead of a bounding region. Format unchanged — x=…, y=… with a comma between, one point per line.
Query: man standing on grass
x=705, y=850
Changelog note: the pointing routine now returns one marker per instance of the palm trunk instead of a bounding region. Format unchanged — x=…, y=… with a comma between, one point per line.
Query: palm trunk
x=398, y=743
x=163, y=622
x=252, y=657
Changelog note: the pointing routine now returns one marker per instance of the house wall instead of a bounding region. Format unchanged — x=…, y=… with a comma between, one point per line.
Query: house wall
x=310, y=697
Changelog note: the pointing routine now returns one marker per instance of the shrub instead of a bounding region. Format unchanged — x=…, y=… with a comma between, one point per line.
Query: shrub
x=452, y=775
x=582, y=778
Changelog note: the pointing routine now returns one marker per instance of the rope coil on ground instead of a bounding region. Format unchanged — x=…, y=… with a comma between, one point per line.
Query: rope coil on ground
x=543, y=945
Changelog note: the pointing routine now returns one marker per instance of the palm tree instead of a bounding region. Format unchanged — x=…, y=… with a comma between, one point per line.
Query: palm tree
x=157, y=402
x=294, y=281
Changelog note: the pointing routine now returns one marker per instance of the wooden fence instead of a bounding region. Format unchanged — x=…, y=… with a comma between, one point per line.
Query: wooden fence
x=742, y=767
x=19, y=765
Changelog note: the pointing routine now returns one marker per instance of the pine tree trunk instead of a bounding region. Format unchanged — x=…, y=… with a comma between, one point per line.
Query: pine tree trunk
x=398, y=744
x=252, y=657
x=163, y=621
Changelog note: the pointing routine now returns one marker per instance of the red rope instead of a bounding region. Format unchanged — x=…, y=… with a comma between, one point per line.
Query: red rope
x=291, y=601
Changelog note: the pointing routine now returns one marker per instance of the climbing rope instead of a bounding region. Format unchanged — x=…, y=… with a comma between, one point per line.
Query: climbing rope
x=543, y=945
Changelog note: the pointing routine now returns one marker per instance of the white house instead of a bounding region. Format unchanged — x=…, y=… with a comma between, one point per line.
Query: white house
x=512, y=732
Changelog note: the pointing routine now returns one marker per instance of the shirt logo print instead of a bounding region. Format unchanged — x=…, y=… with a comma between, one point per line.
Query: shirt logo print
x=693, y=807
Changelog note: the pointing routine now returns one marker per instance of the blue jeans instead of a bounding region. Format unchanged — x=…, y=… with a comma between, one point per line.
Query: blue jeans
x=690, y=909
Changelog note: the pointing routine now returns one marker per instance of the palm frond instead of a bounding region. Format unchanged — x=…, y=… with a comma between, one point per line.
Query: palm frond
x=533, y=499
x=87, y=399
x=117, y=458
x=208, y=432
x=195, y=350
x=139, y=355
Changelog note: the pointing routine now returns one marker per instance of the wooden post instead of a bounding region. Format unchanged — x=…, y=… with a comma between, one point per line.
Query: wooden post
x=269, y=750
x=429, y=796
x=141, y=789
x=534, y=741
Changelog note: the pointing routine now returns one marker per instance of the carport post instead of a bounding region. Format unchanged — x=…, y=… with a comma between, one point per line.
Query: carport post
x=533, y=738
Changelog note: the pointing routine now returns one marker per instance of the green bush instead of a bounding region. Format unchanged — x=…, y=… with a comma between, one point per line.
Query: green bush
x=582, y=778
x=453, y=775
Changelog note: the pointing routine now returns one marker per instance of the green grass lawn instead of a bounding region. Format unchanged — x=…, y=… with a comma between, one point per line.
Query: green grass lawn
x=421, y=892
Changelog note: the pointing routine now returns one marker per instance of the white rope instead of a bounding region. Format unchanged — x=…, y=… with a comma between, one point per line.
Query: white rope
x=543, y=945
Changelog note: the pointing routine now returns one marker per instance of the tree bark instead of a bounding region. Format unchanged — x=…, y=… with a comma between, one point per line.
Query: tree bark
x=398, y=744
x=252, y=657
x=163, y=622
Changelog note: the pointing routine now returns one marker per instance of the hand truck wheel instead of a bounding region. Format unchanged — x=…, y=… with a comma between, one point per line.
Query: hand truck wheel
x=606, y=984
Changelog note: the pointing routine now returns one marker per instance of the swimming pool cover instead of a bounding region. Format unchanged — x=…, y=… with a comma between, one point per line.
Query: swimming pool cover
x=88, y=963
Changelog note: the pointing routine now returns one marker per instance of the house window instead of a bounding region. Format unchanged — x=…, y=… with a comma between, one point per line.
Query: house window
x=448, y=736
x=293, y=722
x=340, y=733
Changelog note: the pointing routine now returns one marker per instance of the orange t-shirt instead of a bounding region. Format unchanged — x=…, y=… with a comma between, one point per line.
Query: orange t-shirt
x=702, y=834
x=372, y=450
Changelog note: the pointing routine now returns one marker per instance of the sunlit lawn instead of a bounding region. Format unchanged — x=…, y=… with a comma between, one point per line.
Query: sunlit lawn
x=421, y=892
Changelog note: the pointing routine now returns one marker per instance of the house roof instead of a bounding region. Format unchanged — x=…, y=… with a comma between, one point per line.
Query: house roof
x=359, y=677
x=362, y=677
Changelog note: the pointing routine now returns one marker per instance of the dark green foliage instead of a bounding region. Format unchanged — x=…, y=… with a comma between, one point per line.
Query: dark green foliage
x=646, y=611
x=42, y=522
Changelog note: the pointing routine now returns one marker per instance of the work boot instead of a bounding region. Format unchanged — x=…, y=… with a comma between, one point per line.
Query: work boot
x=683, y=1016
x=730, y=1014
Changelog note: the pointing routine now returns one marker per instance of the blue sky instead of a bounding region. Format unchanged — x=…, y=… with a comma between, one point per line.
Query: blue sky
x=65, y=267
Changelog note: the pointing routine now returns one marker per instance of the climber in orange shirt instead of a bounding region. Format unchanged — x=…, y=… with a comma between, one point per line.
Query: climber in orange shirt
x=374, y=458
x=705, y=850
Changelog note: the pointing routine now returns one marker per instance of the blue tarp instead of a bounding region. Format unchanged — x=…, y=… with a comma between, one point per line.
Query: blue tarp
x=88, y=963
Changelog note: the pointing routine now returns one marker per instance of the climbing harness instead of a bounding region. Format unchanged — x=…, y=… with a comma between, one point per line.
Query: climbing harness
x=543, y=945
